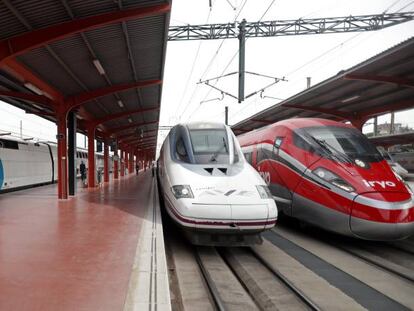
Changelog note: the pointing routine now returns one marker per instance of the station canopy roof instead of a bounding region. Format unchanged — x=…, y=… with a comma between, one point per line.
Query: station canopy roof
x=381, y=84
x=103, y=58
x=393, y=139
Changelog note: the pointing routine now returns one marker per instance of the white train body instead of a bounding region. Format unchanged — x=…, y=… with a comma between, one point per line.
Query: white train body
x=210, y=190
x=27, y=164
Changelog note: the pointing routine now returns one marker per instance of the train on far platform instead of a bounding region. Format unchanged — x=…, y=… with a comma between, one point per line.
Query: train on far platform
x=330, y=175
x=25, y=164
x=209, y=189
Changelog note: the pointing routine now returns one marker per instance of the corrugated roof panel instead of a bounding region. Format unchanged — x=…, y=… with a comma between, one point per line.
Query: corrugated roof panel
x=41, y=13
x=94, y=108
x=147, y=45
x=126, y=4
x=9, y=24
x=149, y=94
x=110, y=47
x=130, y=99
x=83, y=8
x=46, y=67
x=75, y=54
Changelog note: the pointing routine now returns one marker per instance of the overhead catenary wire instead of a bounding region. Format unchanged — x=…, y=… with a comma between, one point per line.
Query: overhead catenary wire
x=207, y=70
x=232, y=58
x=192, y=68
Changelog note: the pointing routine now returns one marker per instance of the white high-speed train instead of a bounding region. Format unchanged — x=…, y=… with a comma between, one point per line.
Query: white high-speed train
x=26, y=164
x=210, y=190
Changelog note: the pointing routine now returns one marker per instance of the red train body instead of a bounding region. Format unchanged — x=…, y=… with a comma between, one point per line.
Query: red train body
x=328, y=174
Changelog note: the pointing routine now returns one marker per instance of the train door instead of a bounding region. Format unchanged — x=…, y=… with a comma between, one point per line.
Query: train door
x=254, y=157
x=279, y=187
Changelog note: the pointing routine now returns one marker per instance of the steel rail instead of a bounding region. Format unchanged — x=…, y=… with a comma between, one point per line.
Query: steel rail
x=210, y=283
x=288, y=283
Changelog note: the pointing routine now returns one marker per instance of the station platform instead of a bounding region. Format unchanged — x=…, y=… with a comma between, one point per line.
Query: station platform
x=102, y=249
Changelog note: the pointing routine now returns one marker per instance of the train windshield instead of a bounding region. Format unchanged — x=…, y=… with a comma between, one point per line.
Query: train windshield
x=210, y=146
x=343, y=143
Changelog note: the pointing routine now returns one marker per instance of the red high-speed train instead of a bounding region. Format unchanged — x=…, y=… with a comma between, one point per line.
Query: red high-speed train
x=328, y=174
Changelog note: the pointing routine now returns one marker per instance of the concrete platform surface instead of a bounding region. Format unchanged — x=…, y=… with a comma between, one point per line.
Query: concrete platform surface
x=71, y=255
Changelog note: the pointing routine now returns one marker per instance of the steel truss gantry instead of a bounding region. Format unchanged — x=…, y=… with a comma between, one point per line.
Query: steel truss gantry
x=309, y=26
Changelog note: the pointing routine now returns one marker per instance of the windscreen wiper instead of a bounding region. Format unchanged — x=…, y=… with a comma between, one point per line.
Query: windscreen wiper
x=336, y=153
x=214, y=156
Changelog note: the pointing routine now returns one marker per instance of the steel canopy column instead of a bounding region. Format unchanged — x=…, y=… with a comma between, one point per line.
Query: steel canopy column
x=106, y=161
x=62, y=160
x=116, y=162
x=91, y=157
x=72, y=152
x=122, y=163
x=358, y=123
x=126, y=162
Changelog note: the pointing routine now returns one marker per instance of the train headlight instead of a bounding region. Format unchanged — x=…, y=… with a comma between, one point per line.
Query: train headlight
x=264, y=192
x=182, y=191
x=333, y=179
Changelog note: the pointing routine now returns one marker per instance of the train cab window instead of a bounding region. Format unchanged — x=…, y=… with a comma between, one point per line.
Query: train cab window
x=181, y=152
x=301, y=143
x=210, y=146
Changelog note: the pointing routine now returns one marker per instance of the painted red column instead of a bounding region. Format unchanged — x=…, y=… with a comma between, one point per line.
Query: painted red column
x=131, y=161
x=62, y=162
x=106, y=161
x=91, y=157
x=116, y=162
x=122, y=163
x=358, y=123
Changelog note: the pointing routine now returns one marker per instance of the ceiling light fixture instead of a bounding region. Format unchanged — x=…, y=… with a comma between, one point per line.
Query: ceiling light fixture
x=350, y=98
x=129, y=120
x=120, y=104
x=33, y=88
x=98, y=66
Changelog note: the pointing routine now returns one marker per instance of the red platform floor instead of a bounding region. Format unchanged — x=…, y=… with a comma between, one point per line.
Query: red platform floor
x=70, y=255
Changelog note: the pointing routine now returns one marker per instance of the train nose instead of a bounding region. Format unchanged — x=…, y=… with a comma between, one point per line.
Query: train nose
x=372, y=230
x=378, y=218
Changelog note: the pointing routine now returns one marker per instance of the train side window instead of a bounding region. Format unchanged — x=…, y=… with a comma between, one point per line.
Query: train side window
x=278, y=142
x=8, y=144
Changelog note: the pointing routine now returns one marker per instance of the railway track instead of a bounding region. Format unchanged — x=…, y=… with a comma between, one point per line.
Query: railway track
x=377, y=273
x=232, y=279
x=396, y=262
